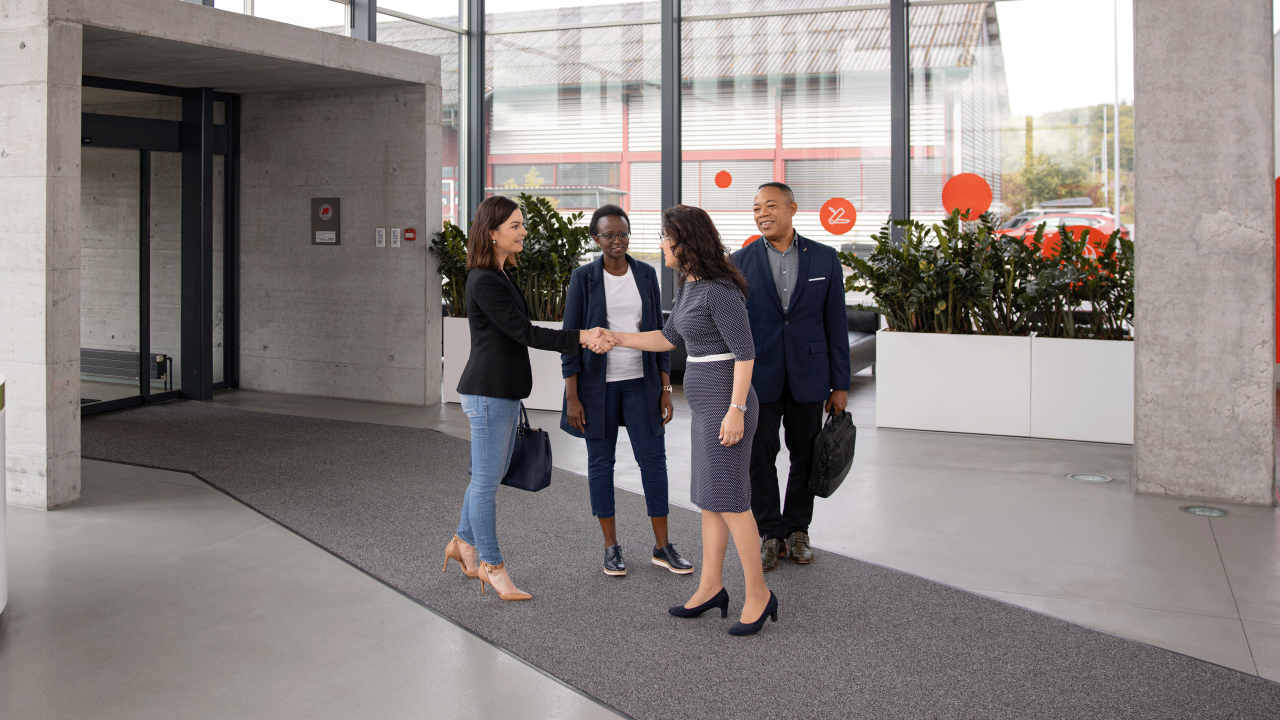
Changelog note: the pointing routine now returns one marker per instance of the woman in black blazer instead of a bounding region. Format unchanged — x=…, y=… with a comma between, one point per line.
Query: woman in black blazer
x=625, y=387
x=497, y=377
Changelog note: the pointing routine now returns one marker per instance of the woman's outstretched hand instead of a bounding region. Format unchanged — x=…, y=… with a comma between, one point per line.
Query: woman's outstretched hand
x=598, y=340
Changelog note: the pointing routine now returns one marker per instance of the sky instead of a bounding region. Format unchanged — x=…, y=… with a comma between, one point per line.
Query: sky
x=1058, y=54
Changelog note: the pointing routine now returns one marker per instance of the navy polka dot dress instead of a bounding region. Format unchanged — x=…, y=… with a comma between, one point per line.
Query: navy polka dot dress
x=710, y=318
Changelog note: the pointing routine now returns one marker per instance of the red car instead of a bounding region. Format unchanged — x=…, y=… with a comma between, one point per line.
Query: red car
x=1100, y=228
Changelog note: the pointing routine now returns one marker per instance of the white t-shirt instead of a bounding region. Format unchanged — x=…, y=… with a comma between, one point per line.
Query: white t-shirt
x=622, y=298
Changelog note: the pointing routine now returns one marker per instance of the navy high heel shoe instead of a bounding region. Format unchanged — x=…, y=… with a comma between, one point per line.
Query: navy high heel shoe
x=770, y=611
x=721, y=600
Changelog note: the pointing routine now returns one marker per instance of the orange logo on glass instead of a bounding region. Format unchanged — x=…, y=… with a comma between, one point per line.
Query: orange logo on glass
x=838, y=216
x=723, y=179
x=968, y=192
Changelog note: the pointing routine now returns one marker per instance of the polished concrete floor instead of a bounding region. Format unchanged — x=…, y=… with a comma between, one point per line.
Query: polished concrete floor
x=158, y=597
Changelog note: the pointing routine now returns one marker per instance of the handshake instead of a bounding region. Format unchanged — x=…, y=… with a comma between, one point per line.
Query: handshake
x=598, y=340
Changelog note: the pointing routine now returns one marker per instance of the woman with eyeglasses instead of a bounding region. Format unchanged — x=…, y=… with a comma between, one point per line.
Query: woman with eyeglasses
x=625, y=387
x=710, y=320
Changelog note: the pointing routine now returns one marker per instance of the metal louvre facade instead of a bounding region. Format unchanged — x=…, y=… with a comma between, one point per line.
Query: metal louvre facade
x=801, y=98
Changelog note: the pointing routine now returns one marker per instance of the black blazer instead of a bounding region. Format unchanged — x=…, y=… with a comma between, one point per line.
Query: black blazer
x=585, y=308
x=501, y=336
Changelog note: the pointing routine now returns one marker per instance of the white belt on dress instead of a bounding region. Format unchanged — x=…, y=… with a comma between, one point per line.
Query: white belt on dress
x=712, y=358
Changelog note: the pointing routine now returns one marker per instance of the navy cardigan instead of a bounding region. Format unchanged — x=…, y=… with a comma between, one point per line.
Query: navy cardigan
x=585, y=309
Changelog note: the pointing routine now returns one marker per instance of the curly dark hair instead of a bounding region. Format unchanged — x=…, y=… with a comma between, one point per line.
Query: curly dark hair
x=701, y=253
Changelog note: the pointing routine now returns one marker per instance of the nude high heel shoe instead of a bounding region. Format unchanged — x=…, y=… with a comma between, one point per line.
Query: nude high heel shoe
x=453, y=551
x=485, y=569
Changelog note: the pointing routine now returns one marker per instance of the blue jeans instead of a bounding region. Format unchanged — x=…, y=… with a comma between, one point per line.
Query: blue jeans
x=493, y=439
x=625, y=401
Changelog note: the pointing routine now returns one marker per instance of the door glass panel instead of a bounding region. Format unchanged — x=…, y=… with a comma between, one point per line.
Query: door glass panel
x=166, y=266
x=110, y=187
x=219, y=267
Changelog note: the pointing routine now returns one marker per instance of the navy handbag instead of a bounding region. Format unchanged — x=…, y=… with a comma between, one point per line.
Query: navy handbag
x=530, y=467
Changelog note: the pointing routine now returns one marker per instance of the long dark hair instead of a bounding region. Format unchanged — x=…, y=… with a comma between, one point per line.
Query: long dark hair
x=702, y=254
x=490, y=216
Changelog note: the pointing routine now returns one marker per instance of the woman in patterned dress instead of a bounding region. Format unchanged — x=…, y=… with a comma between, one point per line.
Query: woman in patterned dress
x=710, y=319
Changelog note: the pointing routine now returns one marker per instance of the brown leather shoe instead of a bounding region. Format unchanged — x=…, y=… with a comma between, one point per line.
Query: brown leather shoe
x=771, y=551
x=798, y=548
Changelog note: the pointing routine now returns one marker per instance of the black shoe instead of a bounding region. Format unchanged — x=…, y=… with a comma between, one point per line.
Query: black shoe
x=770, y=611
x=613, y=564
x=721, y=600
x=668, y=558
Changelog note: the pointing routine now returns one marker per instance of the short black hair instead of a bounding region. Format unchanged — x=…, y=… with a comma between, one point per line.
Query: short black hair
x=791, y=196
x=607, y=211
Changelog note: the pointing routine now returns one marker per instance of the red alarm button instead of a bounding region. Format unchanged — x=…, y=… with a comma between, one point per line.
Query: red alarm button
x=410, y=235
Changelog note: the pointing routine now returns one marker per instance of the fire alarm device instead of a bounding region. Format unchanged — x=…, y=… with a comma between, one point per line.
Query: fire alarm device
x=410, y=235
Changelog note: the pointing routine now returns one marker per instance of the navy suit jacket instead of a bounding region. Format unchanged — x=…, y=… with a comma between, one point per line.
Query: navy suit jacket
x=585, y=308
x=809, y=344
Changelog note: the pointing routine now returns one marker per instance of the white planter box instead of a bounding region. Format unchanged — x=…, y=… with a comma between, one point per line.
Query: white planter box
x=1052, y=388
x=548, y=382
x=1082, y=390
x=953, y=383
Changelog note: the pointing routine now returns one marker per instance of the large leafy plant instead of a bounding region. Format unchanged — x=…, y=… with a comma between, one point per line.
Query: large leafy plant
x=450, y=248
x=964, y=277
x=552, y=250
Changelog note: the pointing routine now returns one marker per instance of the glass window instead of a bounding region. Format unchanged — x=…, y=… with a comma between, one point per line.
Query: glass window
x=958, y=98
x=802, y=99
x=1035, y=119
x=448, y=47
x=721, y=7
x=510, y=14
x=441, y=11
x=320, y=14
x=576, y=114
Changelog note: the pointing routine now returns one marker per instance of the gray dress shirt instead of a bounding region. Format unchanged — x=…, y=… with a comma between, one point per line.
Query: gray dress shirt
x=785, y=267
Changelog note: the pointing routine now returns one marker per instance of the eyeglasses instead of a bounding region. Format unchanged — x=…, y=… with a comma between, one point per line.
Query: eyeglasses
x=665, y=239
x=613, y=237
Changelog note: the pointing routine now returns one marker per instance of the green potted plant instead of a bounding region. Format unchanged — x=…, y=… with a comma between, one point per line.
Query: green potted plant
x=552, y=250
x=976, y=325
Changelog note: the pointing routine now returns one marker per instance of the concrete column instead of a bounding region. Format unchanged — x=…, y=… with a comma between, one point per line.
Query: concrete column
x=1205, y=240
x=40, y=252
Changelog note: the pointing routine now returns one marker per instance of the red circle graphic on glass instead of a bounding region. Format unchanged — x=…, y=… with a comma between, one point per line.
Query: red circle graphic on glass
x=838, y=216
x=967, y=192
x=723, y=179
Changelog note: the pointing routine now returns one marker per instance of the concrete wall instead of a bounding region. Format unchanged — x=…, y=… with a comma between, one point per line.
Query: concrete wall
x=1205, y=313
x=352, y=321
x=40, y=252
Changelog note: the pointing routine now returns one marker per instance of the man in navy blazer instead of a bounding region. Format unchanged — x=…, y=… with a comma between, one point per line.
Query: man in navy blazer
x=798, y=321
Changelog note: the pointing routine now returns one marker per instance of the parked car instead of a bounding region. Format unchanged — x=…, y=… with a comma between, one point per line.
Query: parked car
x=1100, y=228
x=1030, y=214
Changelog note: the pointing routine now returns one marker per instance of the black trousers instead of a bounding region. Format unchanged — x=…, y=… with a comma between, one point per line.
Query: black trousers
x=802, y=422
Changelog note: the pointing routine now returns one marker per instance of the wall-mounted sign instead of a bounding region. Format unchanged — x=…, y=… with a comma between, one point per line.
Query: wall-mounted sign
x=326, y=221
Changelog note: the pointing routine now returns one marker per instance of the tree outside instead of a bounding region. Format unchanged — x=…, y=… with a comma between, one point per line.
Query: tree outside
x=1060, y=155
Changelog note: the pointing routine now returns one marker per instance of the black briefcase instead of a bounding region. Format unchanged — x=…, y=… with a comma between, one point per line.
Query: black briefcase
x=832, y=454
x=530, y=467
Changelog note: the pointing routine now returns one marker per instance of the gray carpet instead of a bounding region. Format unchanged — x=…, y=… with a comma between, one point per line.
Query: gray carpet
x=853, y=640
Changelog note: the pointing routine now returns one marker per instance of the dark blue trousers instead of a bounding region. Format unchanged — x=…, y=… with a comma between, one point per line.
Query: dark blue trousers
x=625, y=402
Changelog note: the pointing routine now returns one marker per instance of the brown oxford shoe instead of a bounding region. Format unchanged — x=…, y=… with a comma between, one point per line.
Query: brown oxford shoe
x=798, y=548
x=771, y=551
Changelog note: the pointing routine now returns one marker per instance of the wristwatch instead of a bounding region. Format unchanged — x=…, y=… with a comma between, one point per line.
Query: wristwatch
x=666, y=388
x=743, y=408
